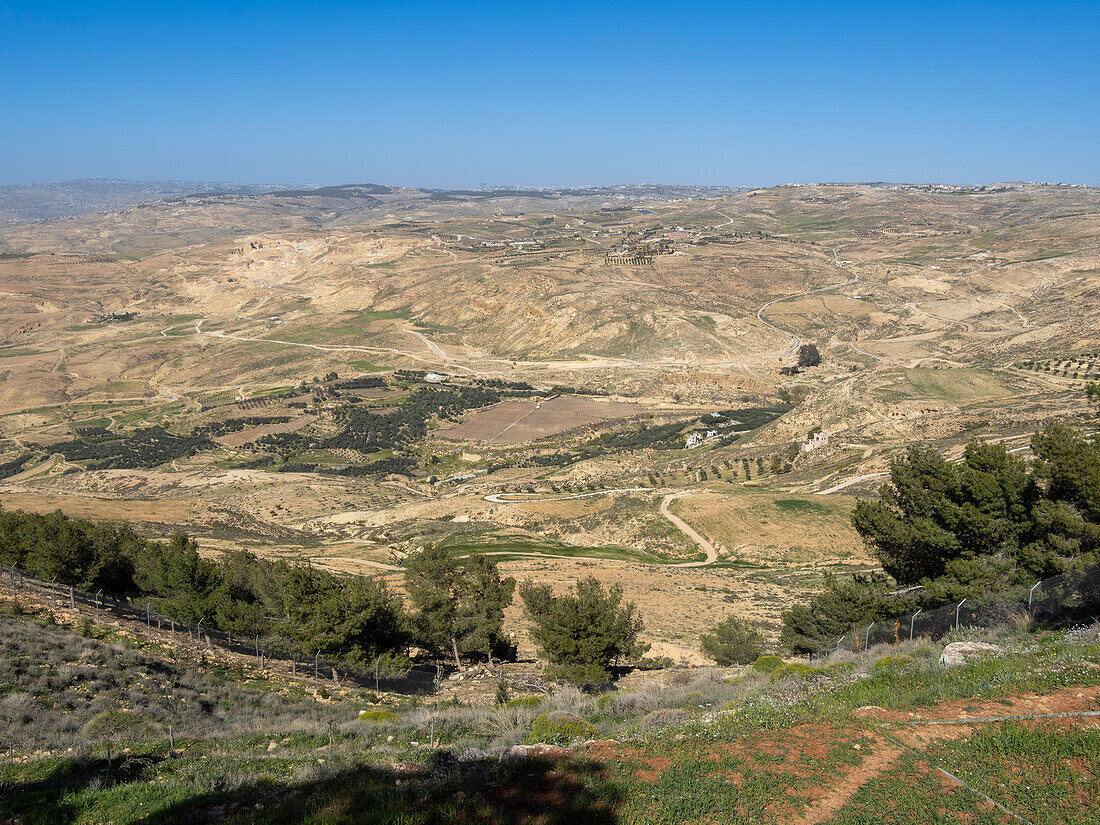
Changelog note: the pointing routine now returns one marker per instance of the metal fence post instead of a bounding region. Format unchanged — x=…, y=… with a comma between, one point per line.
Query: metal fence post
x=376, y=661
x=316, y=659
x=867, y=638
x=1030, y=593
x=838, y=641
x=198, y=632
x=148, y=624
x=12, y=571
x=97, y=605
x=913, y=621
x=958, y=607
x=72, y=602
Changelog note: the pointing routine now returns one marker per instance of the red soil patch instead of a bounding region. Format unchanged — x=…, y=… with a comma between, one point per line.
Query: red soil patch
x=884, y=754
x=1066, y=700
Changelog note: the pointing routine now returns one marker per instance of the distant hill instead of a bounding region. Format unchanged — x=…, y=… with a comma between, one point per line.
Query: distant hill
x=71, y=198
x=25, y=203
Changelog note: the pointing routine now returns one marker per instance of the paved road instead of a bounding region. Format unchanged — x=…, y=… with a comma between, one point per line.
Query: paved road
x=431, y=346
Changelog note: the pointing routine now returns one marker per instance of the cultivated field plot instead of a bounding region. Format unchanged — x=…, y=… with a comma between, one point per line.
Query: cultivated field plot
x=517, y=422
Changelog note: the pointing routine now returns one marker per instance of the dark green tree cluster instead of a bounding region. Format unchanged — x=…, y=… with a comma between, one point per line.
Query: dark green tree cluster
x=369, y=431
x=300, y=609
x=808, y=355
x=459, y=605
x=85, y=554
x=12, y=466
x=945, y=531
x=583, y=634
x=147, y=447
x=846, y=602
x=990, y=521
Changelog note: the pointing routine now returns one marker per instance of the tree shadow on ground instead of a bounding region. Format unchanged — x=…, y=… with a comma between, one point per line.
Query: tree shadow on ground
x=547, y=791
x=542, y=790
x=51, y=798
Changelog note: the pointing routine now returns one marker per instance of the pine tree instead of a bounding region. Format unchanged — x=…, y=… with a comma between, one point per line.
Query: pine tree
x=583, y=634
x=733, y=642
x=459, y=603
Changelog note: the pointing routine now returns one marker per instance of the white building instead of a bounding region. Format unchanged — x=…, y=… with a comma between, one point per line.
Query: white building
x=819, y=440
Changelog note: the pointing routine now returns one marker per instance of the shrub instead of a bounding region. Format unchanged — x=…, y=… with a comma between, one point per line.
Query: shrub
x=116, y=723
x=665, y=716
x=767, y=664
x=733, y=642
x=793, y=670
x=893, y=664
x=524, y=702
x=377, y=716
x=654, y=663
x=560, y=728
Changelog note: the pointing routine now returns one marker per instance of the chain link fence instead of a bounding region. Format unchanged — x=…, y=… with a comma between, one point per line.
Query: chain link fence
x=138, y=615
x=1060, y=600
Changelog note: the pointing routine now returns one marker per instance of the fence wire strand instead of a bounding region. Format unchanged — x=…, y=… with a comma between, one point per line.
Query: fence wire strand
x=1067, y=598
x=265, y=650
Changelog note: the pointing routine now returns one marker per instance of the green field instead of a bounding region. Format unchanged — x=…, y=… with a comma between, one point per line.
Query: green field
x=517, y=547
x=954, y=385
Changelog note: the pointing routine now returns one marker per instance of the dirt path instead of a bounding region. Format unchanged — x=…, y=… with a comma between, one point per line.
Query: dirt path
x=499, y=498
x=884, y=755
x=796, y=341
x=964, y=324
x=686, y=529
x=681, y=525
x=848, y=482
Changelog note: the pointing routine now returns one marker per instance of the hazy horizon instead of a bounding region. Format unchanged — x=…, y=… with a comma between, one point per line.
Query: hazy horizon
x=544, y=186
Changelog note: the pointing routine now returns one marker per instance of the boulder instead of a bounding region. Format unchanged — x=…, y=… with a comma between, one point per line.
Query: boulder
x=959, y=653
x=527, y=751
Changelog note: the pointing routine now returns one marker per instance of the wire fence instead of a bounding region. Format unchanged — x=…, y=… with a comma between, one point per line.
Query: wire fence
x=138, y=615
x=1064, y=599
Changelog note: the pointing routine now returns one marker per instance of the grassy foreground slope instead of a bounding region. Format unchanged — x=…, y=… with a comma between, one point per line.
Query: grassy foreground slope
x=87, y=716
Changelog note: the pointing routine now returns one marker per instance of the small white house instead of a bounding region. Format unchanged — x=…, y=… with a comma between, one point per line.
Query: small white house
x=819, y=440
x=698, y=437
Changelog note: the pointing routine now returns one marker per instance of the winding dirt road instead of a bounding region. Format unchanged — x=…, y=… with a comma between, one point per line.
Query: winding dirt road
x=964, y=324
x=681, y=525
x=686, y=529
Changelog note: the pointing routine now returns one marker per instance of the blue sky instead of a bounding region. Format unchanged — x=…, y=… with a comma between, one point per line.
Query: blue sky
x=460, y=94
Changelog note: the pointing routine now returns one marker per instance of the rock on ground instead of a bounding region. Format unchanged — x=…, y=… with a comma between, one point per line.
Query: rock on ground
x=958, y=653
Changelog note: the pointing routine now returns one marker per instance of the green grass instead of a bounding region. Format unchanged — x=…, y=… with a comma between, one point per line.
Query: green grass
x=954, y=385
x=1046, y=775
x=378, y=314
x=509, y=548
x=366, y=366
x=15, y=353
x=322, y=765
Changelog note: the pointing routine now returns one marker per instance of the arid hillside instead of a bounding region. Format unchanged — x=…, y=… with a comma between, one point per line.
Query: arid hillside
x=348, y=373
